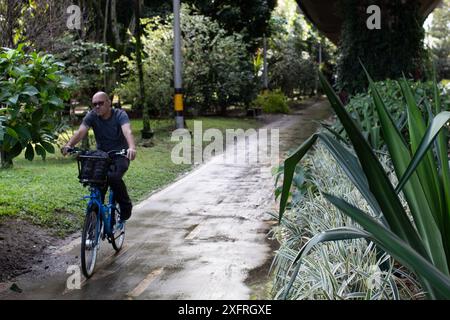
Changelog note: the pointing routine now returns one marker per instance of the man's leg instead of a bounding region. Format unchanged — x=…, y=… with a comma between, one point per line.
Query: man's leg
x=118, y=186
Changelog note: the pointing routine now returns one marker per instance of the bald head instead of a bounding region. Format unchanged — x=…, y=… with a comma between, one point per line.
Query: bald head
x=101, y=94
x=102, y=104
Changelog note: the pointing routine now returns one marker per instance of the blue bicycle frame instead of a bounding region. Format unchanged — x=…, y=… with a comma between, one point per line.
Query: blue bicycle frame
x=106, y=211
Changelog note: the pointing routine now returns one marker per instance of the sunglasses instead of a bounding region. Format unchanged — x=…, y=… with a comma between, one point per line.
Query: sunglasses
x=100, y=103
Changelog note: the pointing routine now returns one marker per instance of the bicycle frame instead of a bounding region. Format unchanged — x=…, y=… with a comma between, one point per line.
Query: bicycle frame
x=105, y=211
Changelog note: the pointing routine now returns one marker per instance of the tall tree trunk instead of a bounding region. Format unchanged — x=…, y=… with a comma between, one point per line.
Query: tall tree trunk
x=388, y=52
x=146, y=131
x=115, y=25
x=105, y=41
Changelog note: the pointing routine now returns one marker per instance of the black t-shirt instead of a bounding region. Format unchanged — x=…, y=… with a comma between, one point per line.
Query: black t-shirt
x=108, y=133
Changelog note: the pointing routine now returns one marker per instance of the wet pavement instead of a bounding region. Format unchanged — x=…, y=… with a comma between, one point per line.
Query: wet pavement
x=199, y=238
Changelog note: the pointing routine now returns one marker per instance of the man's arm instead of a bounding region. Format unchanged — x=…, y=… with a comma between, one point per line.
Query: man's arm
x=77, y=137
x=131, y=152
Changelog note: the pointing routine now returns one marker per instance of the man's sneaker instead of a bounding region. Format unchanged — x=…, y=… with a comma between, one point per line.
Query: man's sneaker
x=120, y=225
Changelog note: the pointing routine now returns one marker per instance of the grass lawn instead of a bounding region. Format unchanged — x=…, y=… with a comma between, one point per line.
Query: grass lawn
x=48, y=193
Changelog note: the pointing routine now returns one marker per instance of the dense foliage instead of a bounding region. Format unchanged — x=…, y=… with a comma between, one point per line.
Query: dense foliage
x=33, y=89
x=248, y=18
x=394, y=49
x=440, y=39
x=272, y=102
x=217, y=70
x=85, y=62
x=295, y=48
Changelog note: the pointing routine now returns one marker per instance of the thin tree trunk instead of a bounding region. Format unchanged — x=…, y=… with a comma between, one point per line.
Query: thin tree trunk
x=105, y=41
x=146, y=131
x=114, y=24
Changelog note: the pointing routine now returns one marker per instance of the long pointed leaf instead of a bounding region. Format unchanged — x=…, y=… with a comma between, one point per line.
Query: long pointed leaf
x=289, y=169
x=397, y=248
x=337, y=234
x=349, y=163
x=414, y=192
x=426, y=171
x=436, y=125
x=442, y=154
x=378, y=181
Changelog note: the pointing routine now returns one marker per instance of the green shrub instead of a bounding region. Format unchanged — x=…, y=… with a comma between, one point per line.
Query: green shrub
x=33, y=89
x=272, y=102
x=217, y=70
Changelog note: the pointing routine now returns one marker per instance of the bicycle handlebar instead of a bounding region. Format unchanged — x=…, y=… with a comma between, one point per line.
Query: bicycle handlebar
x=75, y=150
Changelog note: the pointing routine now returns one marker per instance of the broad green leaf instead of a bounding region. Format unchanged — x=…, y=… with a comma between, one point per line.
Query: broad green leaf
x=56, y=101
x=24, y=133
x=53, y=77
x=426, y=170
x=67, y=81
x=30, y=90
x=37, y=115
x=14, y=151
x=442, y=154
x=40, y=151
x=48, y=147
x=13, y=100
x=11, y=132
x=29, y=152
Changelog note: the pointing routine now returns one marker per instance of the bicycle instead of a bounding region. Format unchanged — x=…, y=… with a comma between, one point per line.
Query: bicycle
x=101, y=220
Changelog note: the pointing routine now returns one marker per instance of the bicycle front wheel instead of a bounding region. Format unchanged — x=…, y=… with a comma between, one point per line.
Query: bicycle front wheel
x=90, y=243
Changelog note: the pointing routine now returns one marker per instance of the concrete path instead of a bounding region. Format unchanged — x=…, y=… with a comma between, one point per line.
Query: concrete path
x=199, y=238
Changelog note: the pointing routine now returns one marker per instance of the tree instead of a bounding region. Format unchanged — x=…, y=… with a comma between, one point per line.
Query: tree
x=388, y=50
x=84, y=61
x=440, y=33
x=294, y=51
x=146, y=131
x=249, y=18
x=36, y=23
x=217, y=67
x=394, y=49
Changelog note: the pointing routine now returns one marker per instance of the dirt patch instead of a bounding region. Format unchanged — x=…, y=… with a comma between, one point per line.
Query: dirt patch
x=22, y=245
x=260, y=279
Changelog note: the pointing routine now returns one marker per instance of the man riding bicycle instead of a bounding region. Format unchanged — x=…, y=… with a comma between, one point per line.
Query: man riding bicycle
x=112, y=131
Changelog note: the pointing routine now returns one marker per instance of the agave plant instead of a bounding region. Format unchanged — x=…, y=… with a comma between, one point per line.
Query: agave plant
x=420, y=241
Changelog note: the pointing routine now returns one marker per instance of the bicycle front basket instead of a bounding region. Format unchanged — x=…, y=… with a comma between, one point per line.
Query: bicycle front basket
x=93, y=167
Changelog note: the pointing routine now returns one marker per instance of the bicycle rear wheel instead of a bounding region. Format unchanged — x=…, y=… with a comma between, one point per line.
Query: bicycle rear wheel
x=118, y=236
x=90, y=243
